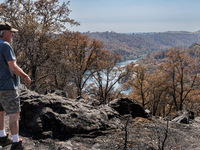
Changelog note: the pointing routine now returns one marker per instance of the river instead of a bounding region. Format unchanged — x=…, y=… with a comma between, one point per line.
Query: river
x=117, y=85
x=122, y=64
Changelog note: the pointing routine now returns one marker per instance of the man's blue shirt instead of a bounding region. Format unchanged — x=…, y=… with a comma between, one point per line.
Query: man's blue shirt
x=8, y=80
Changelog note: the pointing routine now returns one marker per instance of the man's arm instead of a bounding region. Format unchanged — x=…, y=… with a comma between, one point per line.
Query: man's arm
x=18, y=71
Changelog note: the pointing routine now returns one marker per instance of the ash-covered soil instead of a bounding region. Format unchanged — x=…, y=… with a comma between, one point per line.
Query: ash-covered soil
x=139, y=134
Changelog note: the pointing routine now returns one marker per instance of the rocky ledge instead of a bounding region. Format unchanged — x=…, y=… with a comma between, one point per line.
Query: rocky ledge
x=55, y=122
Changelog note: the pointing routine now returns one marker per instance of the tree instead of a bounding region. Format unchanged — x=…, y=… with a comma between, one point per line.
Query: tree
x=140, y=87
x=182, y=71
x=106, y=75
x=157, y=95
x=80, y=56
x=37, y=22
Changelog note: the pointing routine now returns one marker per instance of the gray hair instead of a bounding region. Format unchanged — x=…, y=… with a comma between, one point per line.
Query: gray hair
x=1, y=33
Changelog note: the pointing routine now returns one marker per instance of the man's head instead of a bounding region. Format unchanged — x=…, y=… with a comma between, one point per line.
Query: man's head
x=7, y=26
x=6, y=31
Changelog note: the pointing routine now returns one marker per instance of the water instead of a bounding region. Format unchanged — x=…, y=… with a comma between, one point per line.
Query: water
x=122, y=64
x=117, y=85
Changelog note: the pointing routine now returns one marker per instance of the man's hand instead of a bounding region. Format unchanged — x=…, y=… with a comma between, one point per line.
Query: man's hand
x=27, y=80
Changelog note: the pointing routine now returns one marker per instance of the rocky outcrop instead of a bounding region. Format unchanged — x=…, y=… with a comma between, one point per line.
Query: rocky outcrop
x=53, y=121
x=55, y=116
x=183, y=116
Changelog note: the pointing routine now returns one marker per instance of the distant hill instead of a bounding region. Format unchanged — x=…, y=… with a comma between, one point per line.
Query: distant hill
x=137, y=45
x=154, y=59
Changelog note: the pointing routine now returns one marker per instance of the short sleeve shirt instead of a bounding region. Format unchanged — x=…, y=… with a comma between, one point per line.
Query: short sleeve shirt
x=8, y=80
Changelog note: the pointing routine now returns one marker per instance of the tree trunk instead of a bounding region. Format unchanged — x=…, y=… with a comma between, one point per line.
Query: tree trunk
x=33, y=84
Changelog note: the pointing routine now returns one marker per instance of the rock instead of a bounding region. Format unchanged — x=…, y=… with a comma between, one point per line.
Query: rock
x=79, y=97
x=27, y=94
x=93, y=102
x=183, y=116
x=55, y=122
x=57, y=92
x=197, y=120
x=57, y=116
x=147, y=111
x=128, y=106
x=151, y=148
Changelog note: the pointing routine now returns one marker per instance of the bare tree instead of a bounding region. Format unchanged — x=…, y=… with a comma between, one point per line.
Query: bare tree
x=182, y=71
x=140, y=87
x=106, y=75
x=37, y=22
x=80, y=56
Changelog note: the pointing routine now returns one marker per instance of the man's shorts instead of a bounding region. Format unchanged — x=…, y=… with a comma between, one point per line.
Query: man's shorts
x=9, y=101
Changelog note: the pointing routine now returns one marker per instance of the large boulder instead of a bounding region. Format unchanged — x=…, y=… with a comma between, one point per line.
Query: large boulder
x=128, y=106
x=54, y=116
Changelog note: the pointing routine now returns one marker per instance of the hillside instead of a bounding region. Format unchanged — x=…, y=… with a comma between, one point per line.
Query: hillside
x=137, y=45
x=55, y=122
x=152, y=60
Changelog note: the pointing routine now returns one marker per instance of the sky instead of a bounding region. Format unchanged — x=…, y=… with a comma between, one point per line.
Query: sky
x=131, y=16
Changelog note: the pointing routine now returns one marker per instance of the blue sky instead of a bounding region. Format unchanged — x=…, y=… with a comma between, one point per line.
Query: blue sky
x=129, y=16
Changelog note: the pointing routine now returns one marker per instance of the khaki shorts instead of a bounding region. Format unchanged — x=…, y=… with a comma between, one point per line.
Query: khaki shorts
x=9, y=101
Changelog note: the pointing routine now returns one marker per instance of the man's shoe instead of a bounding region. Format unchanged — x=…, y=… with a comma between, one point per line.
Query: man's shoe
x=18, y=146
x=5, y=140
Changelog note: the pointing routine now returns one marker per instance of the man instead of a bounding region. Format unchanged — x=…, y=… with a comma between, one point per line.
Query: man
x=9, y=83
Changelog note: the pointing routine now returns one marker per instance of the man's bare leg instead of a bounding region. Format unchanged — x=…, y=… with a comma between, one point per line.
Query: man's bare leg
x=14, y=126
x=2, y=125
x=4, y=139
